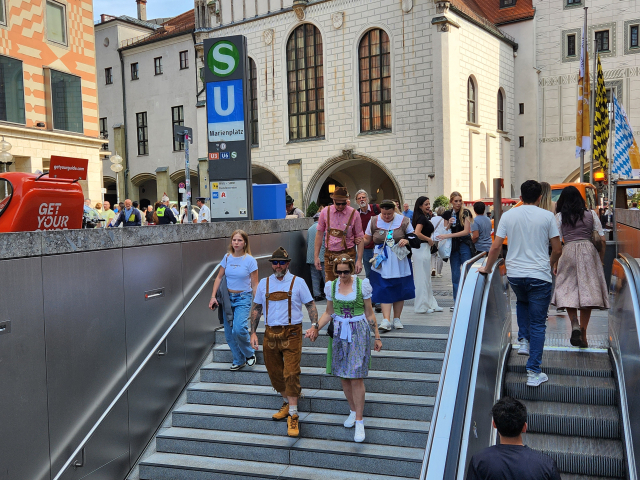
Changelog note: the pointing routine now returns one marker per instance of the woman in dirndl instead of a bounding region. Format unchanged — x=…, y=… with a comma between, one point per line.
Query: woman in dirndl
x=349, y=306
x=391, y=274
x=580, y=281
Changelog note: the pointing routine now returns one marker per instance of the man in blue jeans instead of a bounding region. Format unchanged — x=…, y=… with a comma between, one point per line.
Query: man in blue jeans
x=530, y=229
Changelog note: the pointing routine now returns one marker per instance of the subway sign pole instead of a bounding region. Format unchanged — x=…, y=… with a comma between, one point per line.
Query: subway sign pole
x=226, y=67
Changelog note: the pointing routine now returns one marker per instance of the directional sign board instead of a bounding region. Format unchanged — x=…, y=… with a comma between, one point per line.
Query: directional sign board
x=228, y=123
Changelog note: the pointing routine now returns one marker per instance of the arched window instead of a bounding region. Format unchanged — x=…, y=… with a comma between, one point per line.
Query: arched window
x=500, y=110
x=471, y=101
x=375, y=81
x=253, y=102
x=305, y=83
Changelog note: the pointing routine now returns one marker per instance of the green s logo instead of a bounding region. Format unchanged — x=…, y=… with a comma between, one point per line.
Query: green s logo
x=223, y=58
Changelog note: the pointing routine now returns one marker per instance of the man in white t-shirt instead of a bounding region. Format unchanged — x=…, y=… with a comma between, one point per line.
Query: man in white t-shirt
x=282, y=296
x=205, y=214
x=530, y=229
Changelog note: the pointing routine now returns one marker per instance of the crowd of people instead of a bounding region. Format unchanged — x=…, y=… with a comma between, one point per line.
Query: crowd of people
x=129, y=213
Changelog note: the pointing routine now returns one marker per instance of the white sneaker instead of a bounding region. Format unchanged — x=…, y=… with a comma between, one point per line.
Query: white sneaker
x=438, y=275
x=359, y=436
x=385, y=325
x=524, y=347
x=438, y=309
x=535, y=379
x=398, y=324
x=430, y=310
x=350, y=421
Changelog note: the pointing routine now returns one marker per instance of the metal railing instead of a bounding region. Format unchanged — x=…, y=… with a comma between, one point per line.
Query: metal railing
x=150, y=355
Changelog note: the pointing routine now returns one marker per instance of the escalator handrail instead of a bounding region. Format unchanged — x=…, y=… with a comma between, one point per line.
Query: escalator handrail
x=150, y=355
x=466, y=266
x=634, y=267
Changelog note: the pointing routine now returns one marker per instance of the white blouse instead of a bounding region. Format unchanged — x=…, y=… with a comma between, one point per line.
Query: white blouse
x=367, y=290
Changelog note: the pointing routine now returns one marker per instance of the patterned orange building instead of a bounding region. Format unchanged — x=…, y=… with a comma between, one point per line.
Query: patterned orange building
x=48, y=94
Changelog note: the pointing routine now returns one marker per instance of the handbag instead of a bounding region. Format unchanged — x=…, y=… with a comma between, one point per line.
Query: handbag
x=434, y=247
x=330, y=329
x=414, y=241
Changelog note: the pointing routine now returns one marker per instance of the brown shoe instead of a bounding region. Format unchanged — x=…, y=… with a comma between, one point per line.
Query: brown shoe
x=282, y=413
x=293, y=430
x=583, y=338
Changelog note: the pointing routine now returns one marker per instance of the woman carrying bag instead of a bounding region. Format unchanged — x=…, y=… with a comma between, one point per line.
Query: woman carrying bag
x=425, y=301
x=580, y=282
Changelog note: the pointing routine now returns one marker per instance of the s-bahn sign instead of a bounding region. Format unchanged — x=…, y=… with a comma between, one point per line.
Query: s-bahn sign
x=228, y=126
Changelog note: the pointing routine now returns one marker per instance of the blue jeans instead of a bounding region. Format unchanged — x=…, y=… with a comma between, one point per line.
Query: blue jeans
x=456, y=260
x=366, y=256
x=317, y=279
x=533, y=296
x=238, y=337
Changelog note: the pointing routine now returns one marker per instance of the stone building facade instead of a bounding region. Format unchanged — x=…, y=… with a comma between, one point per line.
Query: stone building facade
x=48, y=99
x=473, y=90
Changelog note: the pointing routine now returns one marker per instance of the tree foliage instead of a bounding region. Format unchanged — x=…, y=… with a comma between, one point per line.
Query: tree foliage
x=312, y=209
x=441, y=201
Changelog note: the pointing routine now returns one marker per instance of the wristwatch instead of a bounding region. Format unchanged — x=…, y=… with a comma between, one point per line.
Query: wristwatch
x=315, y=325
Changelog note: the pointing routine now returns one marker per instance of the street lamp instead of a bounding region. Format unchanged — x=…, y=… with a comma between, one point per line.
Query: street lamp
x=116, y=166
x=5, y=156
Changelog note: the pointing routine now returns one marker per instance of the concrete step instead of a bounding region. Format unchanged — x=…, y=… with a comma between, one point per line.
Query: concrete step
x=581, y=455
x=573, y=419
x=315, y=377
x=563, y=388
x=365, y=458
x=381, y=405
x=587, y=364
x=398, y=361
x=170, y=466
x=402, y=433
x=393, y=340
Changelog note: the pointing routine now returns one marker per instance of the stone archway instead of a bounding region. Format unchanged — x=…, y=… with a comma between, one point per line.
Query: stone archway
x=263, y=175
x=354, y=171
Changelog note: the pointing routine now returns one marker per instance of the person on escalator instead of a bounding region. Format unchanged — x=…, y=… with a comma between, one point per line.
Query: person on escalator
x=530, y=230
x=511, y=459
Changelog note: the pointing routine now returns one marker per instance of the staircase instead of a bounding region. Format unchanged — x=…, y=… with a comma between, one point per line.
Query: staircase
x=574, y=417
x=225, y=430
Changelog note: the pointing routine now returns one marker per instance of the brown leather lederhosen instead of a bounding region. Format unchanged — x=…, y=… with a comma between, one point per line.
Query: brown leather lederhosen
x=282, y=347
x=329, y=256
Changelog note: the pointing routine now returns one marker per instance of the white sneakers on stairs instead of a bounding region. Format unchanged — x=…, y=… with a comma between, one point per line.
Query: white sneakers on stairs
x=351, y=422
x=387, y=326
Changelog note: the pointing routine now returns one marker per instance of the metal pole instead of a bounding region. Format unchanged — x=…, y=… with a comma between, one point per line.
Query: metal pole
x=187, y=174
x=592, y=113
x=610, y=151
x=497, y=202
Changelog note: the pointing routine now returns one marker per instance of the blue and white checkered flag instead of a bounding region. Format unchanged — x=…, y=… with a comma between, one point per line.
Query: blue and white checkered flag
x=624, y=142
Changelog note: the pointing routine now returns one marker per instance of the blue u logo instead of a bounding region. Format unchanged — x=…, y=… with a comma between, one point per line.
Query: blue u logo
x=217, y=101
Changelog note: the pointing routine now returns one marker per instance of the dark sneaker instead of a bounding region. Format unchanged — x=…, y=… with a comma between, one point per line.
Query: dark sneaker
x=251, y=361
x=235, y=367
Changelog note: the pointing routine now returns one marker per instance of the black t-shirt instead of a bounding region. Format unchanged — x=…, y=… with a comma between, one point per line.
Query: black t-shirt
x=427, y=227
x=512, y=462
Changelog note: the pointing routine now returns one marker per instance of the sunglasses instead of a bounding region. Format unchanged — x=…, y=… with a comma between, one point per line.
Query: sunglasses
x=279, y=262
x=343, y=272
x=341, y=204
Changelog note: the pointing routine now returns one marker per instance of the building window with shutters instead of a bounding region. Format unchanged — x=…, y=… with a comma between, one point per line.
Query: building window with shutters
x=471, y=102
x=375, y=81
x=143, y=133
x=305, y=83
x=177, y=118
x=104, y=133
x=184, y=60
x=157, y=65
x=134, y=71
x=500, y=111
x=108, y=76
x=253, y=103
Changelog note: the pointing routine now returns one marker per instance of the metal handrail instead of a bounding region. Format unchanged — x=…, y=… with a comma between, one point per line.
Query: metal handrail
x=126, y=386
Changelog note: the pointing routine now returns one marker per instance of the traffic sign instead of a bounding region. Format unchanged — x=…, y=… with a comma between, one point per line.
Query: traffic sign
x=181, y=185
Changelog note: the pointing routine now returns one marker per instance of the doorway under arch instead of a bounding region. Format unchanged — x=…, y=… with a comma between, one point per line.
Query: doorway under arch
x=354, y=172
x=263, y=175
x=111, y=195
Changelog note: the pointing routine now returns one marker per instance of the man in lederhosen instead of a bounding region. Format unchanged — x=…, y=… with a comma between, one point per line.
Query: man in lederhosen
x=342, y=229
x=281, y=296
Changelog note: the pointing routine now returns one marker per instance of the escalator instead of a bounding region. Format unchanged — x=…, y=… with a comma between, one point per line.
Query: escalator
x=586, y=417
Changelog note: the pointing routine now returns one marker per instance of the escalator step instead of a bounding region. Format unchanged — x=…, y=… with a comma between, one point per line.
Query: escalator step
x=587, y=364
x=563, y=388
x=580, y=455
x=573, y=419
x=571, y=476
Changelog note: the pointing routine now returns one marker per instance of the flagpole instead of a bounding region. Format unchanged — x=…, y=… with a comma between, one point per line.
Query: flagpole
x=610, y=152
x=584, y=41
x=592, y=99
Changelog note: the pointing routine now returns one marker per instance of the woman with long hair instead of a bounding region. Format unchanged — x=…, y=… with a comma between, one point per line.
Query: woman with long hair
x=241, y=271
x=462, y=248
x=580, y=282
x=349, y=305
x=546, y=203
x=425, y=301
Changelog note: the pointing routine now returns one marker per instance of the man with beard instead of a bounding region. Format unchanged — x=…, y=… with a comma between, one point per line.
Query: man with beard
x=282, y=296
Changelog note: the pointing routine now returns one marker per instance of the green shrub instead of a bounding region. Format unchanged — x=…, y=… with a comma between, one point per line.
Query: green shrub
x=312, y=209
x=441, y=201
